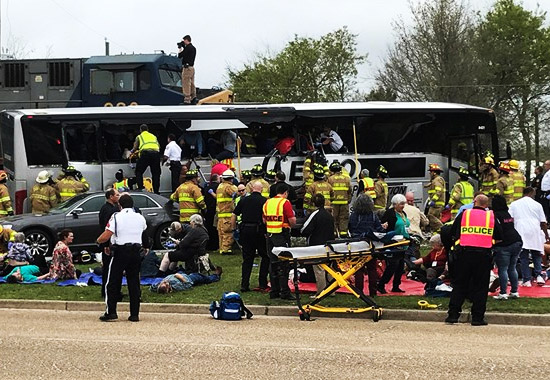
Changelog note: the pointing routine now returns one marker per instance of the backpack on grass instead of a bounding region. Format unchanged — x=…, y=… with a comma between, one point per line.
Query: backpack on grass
x=230, y=308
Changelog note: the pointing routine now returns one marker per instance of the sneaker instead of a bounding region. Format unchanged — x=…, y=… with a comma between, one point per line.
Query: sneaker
x=526, y=284
x=514, y=295
x=501, y=297
x=108, y=317
x=540, y=280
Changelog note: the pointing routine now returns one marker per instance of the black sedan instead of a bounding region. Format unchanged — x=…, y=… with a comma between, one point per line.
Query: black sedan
x=81, y=215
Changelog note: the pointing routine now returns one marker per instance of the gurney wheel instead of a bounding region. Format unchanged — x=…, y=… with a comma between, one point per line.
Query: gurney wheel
x=376, y=315
x=304, y=316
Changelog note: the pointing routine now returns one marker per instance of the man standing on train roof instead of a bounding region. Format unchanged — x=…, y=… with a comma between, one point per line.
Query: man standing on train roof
x=149, y=156
x=187, y=52
x=436, y=197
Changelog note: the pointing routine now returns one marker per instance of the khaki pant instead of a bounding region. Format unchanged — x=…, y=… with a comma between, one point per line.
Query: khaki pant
x=341, y=219
x=188, y=84
x=434, y=216
x=225, y=234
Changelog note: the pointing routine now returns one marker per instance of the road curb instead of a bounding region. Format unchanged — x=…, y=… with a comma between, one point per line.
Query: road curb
x=279, y=311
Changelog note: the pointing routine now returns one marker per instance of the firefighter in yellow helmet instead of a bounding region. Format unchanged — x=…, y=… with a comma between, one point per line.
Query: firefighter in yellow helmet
x=462, y=192
x=5, y=200
x=257, y=173
x=518, y=177
x=43, y=196
x=189, y=196
x=488, y=177
x=366, y=184
x=224, y=207
x=307, y=172
x=319, y=186
x=436, y=196
x=73, y=183
x=341, y=187
x=381, y=190
x=505, y=183
x=6, y=235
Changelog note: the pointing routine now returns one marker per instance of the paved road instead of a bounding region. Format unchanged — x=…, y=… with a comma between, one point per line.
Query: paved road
x=75, y=345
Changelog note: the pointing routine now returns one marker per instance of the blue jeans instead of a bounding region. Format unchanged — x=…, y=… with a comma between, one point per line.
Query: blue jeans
x=194, y=139
x=198, y=279
x=506, y=259
x=536, y=256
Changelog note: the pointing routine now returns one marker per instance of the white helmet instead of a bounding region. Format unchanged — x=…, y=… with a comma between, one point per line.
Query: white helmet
x=228, y=174
x=43, y=176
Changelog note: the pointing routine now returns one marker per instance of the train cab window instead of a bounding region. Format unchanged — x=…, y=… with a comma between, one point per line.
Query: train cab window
x=43, y=142
x=144, y=79
x=124, y=81
x=101, y=82
x=170, y=78
x=81, y=141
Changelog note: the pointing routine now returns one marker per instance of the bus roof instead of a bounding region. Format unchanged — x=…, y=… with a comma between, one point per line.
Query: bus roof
x=222, y=108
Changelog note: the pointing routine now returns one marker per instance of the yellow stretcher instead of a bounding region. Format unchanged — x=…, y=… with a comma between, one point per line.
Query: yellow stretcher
x=341, y=259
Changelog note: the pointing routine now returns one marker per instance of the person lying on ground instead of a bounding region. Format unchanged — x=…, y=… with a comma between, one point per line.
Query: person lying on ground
x=180, y=281
x=434, y=262
x=24, y=273
x=192, y=245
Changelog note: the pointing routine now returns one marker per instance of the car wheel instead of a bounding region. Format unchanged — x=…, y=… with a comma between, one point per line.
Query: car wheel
x=162, y=236
x=39, y=242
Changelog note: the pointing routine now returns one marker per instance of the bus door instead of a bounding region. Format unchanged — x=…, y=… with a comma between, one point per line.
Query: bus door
x=80, y=140
x=463, y=151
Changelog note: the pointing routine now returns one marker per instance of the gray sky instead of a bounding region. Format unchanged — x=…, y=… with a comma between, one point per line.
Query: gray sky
x=225, y=33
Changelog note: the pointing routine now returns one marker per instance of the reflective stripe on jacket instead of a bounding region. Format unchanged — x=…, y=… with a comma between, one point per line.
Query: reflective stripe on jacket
x=148, y=141
x=368, y=186
x=274, y=215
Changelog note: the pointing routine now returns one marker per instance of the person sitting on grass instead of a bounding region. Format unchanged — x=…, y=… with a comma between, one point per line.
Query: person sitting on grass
x=19, y=254
x=180, y=281
x=62, y=267
x=434, y=262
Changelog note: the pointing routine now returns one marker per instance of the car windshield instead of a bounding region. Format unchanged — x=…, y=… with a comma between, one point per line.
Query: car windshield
x=65, y=206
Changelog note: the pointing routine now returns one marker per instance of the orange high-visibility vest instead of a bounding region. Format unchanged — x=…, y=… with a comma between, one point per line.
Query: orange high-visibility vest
x=274, y=216
x=476, y=228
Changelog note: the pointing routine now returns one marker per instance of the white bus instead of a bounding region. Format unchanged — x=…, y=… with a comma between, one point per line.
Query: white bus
x=404, y=137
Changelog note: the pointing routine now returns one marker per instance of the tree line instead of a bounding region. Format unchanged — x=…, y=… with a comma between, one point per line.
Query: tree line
x=449, y=53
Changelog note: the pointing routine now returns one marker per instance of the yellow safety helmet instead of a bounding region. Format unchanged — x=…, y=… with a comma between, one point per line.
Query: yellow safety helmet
x=513, y=164
x=488, y=160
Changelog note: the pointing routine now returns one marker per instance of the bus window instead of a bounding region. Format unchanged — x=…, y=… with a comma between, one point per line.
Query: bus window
x=124, y=81
x=310, y=129
x=463, y=153
x=43, y=142
x=6, y=130
x=81, y=141
x=170, y=78
x=144, y=79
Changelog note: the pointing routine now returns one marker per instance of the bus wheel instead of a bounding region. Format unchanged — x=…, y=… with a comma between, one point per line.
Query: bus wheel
x=162, y=236
x=39, y=242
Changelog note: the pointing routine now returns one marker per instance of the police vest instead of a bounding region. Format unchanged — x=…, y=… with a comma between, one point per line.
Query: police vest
x=148, y=141
x=368, y=184
x=476, y=228
x=274, y=215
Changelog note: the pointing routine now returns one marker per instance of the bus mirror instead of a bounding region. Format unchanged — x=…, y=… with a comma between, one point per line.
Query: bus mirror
x=508, y=150
x=77, y=211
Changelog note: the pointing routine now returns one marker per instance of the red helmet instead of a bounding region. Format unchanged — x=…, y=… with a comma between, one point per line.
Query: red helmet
x=435, y=168
x=504, y=166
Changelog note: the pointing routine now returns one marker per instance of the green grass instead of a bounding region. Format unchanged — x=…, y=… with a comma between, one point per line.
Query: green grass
x=231, y=282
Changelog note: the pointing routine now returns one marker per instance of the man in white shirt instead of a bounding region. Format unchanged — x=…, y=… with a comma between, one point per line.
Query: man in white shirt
x=545, y=189
x=529, y=220
x=172, y=157
x=125, y=229
x=331, y=139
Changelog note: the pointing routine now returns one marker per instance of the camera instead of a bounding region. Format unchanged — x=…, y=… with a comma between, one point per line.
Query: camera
x=181, y=45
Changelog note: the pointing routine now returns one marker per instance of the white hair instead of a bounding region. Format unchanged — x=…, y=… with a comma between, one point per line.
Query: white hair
x=196, y=219
x=398, y=198
x=436, y=239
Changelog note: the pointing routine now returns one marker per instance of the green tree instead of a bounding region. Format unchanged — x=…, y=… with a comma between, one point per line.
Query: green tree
x=306, y=70
x=434, y=59
x=515, y=45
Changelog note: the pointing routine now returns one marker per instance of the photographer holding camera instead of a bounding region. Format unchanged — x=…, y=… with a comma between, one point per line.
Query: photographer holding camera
x=187, y=53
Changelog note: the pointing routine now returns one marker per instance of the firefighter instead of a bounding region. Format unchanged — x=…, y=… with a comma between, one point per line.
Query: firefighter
x=124, y=184
x=436, y=196
x=149, y=157
x=341, y=186
x=319, y=186
x=43, y=196
x=462, y=193
x=7, y=235
x=307, y=173
x=519, y=179
x=5, y=200
x=73, y=183
x=189, y=196
x=366, y=184
x=505, y=183
x=246, y=176
x=381, y=190
x=270, y=177
x=224, y=208
x=489, y=177
x=257, y=173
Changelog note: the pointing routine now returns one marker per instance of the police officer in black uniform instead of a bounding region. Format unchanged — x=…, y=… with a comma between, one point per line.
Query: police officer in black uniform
x=252, y=236
x=126, y=230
